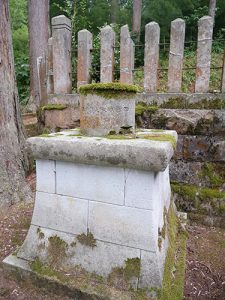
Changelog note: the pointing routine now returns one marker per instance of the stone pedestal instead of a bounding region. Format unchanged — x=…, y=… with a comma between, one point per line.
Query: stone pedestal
x=104, y=201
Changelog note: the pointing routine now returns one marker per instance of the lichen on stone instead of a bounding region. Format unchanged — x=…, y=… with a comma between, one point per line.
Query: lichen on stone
x=87, y=239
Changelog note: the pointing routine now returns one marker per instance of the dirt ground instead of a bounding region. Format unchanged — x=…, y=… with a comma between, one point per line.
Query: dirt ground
x=205, y=268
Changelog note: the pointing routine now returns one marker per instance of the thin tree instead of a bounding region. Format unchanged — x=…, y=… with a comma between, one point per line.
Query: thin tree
x=212, y=9
x=13, y=159
x=114, y=11
x=136, y=28
x=38, y=23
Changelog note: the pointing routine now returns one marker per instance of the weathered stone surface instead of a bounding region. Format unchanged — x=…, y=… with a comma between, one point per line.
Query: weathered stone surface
x=100, y=116
x=152, y=36
x=126, y=56
x=223, y=74
x=177, y=37
x=61, y=33
x=205, y=32
x=141, y=154
x=90, y=182
x=107, y=54
x=63, y=119
x=46, y=169
x=186, y=172
x=42, y=79
x=50, y=81
x=67, y=99
x=84, y=57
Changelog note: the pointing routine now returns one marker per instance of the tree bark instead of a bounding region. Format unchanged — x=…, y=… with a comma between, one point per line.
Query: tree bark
x=38, y=19
x=137, y=4
x=114, y=11
x=212, y=9
x=13, y=159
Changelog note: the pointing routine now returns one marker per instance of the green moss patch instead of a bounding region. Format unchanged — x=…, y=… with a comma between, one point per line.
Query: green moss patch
x=109, y=90
x=176, y=103
x=144, y=108
x=87, y=239
x=174, y=272
x=54, y=107
x=57, y=251
x=210, y=171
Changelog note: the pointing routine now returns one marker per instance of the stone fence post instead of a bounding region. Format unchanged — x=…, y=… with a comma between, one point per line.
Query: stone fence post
x=205, y=32
x=126, y=56
x=50, y=82
x=107, y=54
x=177, y=37
x=42, y=80
x=84, y=57
x=223, y=73
x=61, y=33
x=152, y=37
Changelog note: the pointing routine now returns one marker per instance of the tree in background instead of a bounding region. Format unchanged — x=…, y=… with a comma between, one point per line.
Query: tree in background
x=114, y=11
x=212, y=9
x=38, y=19
x=136, y=27
x=13, y=160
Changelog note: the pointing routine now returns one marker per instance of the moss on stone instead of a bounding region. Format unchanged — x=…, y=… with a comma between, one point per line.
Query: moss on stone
x=54, y=107
x=57, y=251
x=142, y=107
x=109, y=90
x=161, y=138
x=174, y=272
x=87, y=239
x=160, y=121
x=160, y=243
x=207, y=104
x=40, y=234
x=209, y=171
x=176, y=103
x=132, y=268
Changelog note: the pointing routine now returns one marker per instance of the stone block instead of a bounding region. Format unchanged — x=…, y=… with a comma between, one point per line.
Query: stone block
x=58, y=213
x=126, y=56
x=63, y=119
x=152, y=37
x=100, y=116
x=46, y=176
x=90, y=182
x=123, y=225
x=107, y=54
x=177, y=37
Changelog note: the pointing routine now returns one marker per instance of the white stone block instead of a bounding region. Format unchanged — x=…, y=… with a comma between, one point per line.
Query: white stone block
x=140, y=188
x=90, y=182
x=45, y=170
x=61, y=213
x=123, y=225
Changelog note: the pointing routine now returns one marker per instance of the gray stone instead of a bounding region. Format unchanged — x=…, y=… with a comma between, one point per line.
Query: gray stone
x=61, y=33
x=50, y=81
x=100, y=116
x=177, y=37
x=84, y=57
x=42, y=79
x=205, y=32
x=45, y=169
x=152, y=37
x=141, y=154
x=126, y=56
x=223, y=75
x=107, y=54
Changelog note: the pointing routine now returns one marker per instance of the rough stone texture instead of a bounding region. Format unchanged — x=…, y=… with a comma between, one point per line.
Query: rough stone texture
x=61, y=33
x=205, y=32
x=177, y=37
x=100, y=116
x=152, y=37
x=126, y=56
x=107, y=54
x=50, y=81
x=42, y=80
x=46, y=169
x=223, y=74
x=139, y=154
x=67, y=99
x=62, y=119
x=84, y=57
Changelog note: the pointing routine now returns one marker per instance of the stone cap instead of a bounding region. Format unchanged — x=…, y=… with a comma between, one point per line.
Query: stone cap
x=140, y=153
x=61, y=22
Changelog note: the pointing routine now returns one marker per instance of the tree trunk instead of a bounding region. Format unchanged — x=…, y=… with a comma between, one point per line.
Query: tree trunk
x=114, y=11
x=38, y=17
x=13, y=160
x=212, y=9
x=137, y=17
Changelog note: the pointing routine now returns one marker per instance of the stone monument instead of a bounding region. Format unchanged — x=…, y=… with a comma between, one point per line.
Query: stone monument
x=102, y=199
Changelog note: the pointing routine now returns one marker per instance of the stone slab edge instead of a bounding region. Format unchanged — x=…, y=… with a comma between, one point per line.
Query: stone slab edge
x=138, y=154
x=20, y=269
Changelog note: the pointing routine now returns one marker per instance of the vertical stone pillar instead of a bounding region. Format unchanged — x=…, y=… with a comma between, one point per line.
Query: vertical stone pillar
x=61, y=33
x=152, y=36
x=205, y=32
x=50, y=82
x=42, y=80
x=107, y=54
x=223, y=74
x=84, y=57
x=177, y=37
x=126, y=56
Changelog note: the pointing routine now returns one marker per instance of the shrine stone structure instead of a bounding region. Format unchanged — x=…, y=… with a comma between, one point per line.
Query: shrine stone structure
x=103, y=196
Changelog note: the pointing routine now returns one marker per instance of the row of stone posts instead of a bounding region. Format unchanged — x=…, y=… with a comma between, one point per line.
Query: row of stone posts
x=58, y=63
